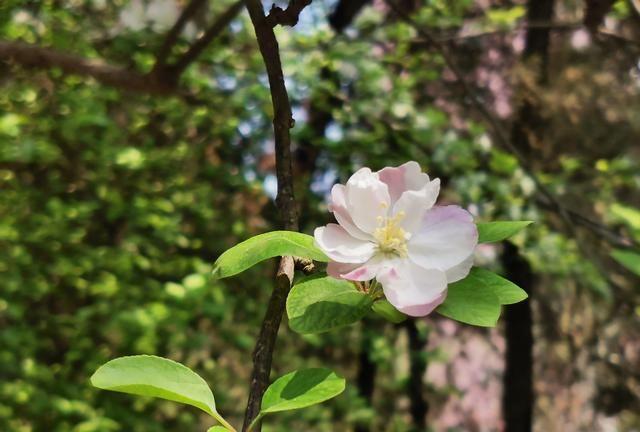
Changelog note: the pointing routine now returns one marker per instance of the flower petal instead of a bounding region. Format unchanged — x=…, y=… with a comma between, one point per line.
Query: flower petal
x=407, y=176
x=446, y=238
x=336, y=269
x=338, y=206
x=415, y=203
x=367, y=271
x=340, y=246
x=367, y=199
x=412, y=289
x=461, y=270
x=425, y=309
x=356, y=272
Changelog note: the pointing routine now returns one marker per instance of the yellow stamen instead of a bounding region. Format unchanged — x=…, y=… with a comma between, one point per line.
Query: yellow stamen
x=391, y=238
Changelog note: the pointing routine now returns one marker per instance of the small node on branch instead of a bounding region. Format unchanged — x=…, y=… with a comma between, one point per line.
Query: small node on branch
x=288, y=16
x=306, y=265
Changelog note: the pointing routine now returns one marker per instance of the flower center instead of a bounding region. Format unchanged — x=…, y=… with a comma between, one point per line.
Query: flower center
x=391, y=238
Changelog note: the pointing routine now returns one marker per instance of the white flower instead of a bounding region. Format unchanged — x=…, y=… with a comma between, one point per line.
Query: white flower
x=389, y=229
x=132, y=17
x=162, y=14
x=159, y=14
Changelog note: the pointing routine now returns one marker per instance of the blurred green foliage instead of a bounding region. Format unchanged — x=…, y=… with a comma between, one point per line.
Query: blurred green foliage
x=113, y=206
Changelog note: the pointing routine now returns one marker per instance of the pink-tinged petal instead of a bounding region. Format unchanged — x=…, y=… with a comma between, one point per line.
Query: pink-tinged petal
x=336, y=269
x=413, y=290
x=366, y=271
x=338, y=206
x=356, y=272
x=425, y=309
x=461, y=270
x=414, y=204
x=446, y=238
x=367, y=199
x=407, y=176
x=338, y=245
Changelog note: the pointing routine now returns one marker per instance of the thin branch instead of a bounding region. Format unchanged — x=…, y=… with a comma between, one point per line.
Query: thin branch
x=496, y=127
x=33, y=56
x=288, y=16
x=173, y=34
x=618, y=37
x=553, y=26
x=199, y=45
x=282, y=122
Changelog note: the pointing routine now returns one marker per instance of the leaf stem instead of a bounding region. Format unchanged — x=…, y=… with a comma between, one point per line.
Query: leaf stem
x=375, y=290
x=254, y=422
x=223, y=422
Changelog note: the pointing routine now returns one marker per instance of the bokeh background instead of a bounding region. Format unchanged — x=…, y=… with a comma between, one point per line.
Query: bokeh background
x=117, y=196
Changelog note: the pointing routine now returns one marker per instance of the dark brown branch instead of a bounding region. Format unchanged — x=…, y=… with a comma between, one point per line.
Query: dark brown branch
x=595, y=12
x=418, y=405
x=345, y=12
x=173, y=34
x=282, y=122
x=33, y=56
x=518, y=395
x=219, y=25
x=288, y=16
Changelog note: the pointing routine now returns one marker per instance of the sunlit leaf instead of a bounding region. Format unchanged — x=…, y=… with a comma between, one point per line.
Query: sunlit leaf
x=320, y=304
x=264, y=246
x=630, y=260
x=471, y=302
x=159, y=377
x=490, y=232
x=629, y=215
x=506, y=291
x=300, y=389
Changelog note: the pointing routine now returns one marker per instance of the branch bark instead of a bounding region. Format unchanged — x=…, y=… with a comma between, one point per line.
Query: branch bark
x=288, y=16
x=518, y=395
x=173, y=34
x=33, y=56
x=418, y=405
x=285, y=201
x=345, y=12
x=219, y=25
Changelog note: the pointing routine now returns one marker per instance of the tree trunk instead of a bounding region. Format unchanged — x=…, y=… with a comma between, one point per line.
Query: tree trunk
x=518, y=396
x=518, y=393
x=418, y=405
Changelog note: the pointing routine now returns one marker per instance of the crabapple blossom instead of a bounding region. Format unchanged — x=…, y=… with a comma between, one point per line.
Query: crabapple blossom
x=389, y=229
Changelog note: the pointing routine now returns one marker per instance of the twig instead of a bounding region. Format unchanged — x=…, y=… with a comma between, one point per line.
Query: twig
x=199, y=45
x=173, y=34
x=282, y=122
x=498, y=131
x=33, y=56
x=553, y=26
x=288, y=16
x=503, y=138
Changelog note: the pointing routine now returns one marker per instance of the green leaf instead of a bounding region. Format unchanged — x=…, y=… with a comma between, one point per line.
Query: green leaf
x=630, y=260
x=319, y=304
x=471, y=302
x=300, y=389
x=217, y=429
x=506, y=291
x=491, y=232
x=388, y=312
x=159, y=377
x=265, y=246
x=629, y=215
